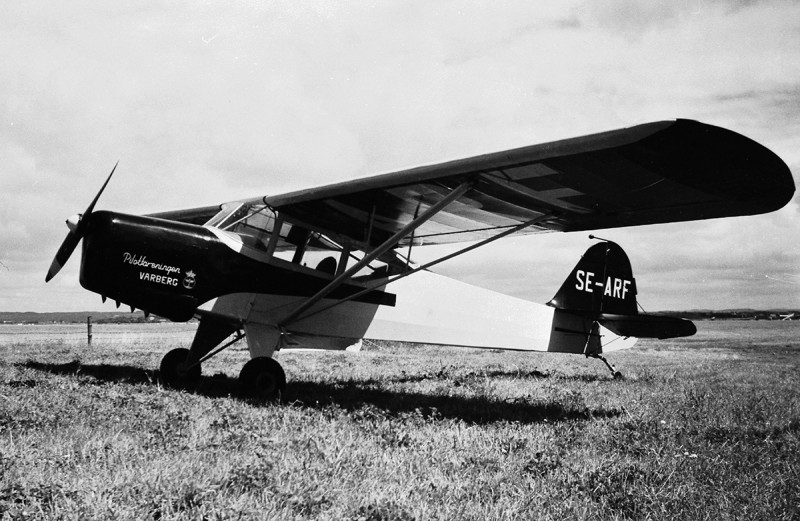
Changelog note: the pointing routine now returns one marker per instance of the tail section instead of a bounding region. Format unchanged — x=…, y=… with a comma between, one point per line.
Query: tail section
x=601, y=289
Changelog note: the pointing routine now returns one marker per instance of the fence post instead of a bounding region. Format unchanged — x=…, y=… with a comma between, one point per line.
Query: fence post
x=89, y=329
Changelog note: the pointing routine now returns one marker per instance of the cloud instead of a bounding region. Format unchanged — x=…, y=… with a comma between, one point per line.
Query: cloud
x=204, y=103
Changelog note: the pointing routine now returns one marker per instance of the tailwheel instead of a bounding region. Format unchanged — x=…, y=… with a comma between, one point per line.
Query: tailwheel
x=263, y=378
x=616, y=374
x=177, y=369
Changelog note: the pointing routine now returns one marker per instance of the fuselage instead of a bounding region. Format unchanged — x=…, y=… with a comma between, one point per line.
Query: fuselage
x=177, y=270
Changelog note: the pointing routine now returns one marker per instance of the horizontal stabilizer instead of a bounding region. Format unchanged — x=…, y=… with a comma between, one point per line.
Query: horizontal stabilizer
x=648, y=326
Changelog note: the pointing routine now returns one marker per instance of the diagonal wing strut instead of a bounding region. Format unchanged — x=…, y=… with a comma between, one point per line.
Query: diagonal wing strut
x=387, y=245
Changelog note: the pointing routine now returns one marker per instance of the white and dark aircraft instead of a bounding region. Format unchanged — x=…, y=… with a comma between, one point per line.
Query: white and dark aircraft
x=327, y=266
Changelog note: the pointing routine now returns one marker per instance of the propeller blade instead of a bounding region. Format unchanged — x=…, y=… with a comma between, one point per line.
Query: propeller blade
x=76, y=227
x=96, y=197
x=63, y=254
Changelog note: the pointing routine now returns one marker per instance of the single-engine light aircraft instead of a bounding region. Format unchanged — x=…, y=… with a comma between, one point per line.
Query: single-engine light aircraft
x=327, y=266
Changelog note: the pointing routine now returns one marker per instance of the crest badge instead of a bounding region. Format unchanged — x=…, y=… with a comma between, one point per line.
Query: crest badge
x=189, y=280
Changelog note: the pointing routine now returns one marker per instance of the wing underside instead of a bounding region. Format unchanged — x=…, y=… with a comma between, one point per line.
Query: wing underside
x=653, y=173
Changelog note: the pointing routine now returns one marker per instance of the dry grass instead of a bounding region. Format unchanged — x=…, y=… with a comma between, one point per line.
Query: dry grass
x=701, y=428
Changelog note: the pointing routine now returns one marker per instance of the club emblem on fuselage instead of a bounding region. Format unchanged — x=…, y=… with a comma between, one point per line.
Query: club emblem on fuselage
x=189, y=280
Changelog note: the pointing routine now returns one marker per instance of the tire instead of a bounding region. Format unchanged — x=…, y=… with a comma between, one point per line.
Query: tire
x=263, y=378
x=174, y=371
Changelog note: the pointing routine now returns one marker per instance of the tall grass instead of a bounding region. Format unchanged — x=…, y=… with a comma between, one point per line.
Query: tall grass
x=701, y=428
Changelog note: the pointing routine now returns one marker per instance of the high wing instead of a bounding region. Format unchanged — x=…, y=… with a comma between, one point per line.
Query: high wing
x=190, y=216
x=652, y=173
x=659, y=172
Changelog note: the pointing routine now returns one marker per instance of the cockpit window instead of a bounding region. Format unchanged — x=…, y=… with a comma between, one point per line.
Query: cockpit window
x=229, y=212
x=254, y=223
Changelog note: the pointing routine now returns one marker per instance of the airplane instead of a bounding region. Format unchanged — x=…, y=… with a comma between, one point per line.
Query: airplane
x=325, y=267
x=789, y=316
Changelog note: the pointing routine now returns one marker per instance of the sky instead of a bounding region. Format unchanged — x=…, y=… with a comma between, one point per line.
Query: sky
x=206, y=102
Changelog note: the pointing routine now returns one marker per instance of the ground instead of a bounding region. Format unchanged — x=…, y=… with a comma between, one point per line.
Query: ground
x=706, y=427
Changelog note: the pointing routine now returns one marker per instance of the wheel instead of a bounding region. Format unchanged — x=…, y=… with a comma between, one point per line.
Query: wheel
x=263, y=378
x=618, y=376
x=176, y=370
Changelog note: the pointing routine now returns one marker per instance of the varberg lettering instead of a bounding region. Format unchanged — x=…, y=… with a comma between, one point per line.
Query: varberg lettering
x=614, y=287
x=158, y=279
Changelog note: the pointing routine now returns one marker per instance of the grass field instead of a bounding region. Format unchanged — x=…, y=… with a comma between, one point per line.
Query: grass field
x=701, y=428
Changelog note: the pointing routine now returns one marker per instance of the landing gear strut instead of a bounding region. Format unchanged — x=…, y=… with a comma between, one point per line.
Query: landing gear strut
x=617, y=374
x=263, y=378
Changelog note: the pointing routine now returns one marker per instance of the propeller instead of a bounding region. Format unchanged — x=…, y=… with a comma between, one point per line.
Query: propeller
x=77, y=229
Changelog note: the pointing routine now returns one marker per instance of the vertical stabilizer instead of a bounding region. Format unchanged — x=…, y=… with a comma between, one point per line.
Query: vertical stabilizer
x=601, y=282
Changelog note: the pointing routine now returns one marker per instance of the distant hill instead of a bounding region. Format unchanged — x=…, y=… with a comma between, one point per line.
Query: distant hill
x=69, y=317
x=733, y=314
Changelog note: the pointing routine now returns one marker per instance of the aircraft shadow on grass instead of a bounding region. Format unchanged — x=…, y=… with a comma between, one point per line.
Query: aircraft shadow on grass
x=459, y=379
x=356, y=395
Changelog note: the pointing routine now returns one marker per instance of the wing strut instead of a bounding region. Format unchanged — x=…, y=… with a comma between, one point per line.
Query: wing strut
x=428, y=265
x=378, y=251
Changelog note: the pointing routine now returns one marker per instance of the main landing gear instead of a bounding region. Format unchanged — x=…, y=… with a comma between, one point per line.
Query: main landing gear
x=178, y=369
x=261, y=378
